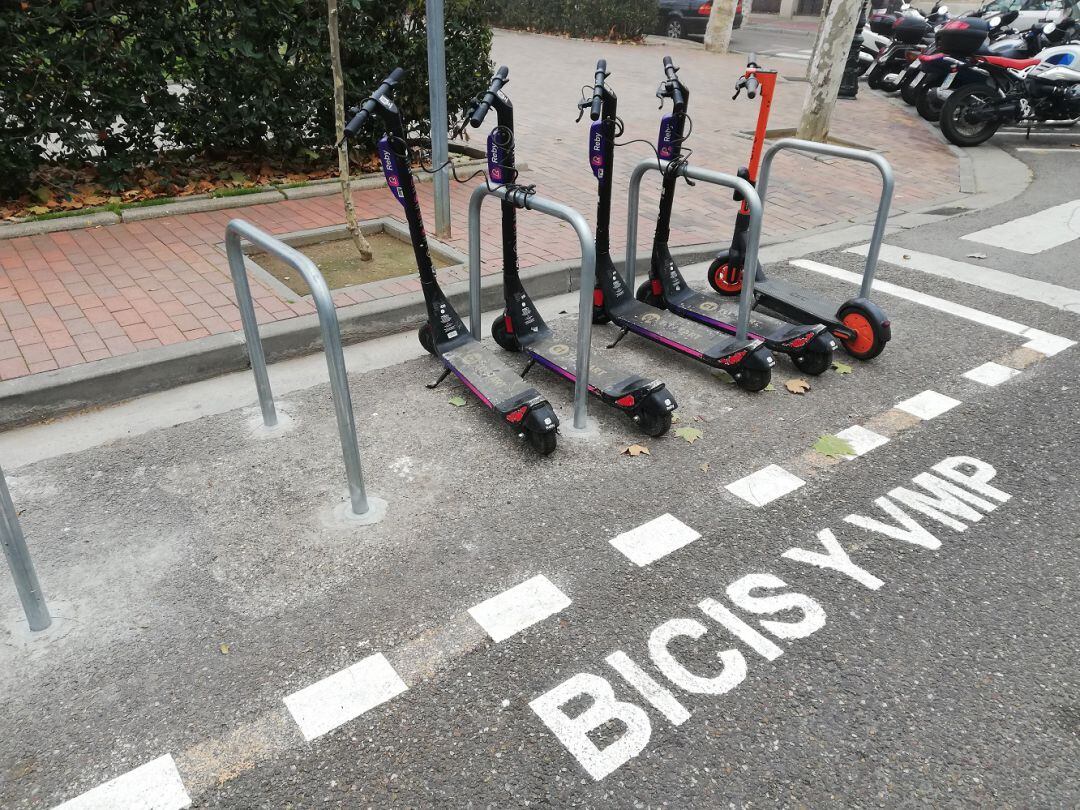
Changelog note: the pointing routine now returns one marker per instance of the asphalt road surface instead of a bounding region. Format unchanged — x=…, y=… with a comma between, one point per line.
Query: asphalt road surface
x=732, y=619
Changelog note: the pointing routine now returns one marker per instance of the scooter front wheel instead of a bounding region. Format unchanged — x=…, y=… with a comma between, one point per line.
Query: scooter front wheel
x=870, y=333
x=723, y=278
x=646, y=295
x=502, y=335
x=426, y=338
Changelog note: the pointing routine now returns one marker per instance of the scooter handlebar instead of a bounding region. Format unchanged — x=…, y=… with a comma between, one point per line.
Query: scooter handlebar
x=673, y=87
x=752, y=86
x=364, y=111
x=497, y=82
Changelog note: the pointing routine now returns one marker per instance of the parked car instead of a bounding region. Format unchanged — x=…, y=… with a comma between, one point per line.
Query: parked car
x=1032, y=12
x=688, y=18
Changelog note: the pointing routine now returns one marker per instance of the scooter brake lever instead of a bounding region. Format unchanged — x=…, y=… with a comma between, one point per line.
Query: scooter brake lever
x=582, y=105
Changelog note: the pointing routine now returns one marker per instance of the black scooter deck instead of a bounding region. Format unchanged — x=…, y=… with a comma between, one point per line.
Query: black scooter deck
x=671, y=330
x=793, y=301
x=488, y=377
x=560, y=356
x=726, y=313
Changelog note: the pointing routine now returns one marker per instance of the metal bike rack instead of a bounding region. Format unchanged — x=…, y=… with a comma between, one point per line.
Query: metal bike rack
x=239, y=229
x=746, y=297
x=22, y=567
x=531, y=202
x=847, y=153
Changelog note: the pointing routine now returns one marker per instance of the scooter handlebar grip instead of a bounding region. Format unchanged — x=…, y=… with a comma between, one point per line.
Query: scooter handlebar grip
x=484, y=105
x=598, y=89
x=752, y=86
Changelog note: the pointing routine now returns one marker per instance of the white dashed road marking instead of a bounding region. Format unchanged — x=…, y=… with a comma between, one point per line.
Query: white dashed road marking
x=765, y=486
x=927, y=405
x=1038, y=340
x=520, y=607
x=344, y=696
x=1034, y=233
x=803, y=55
x=861, y=439
x=655, y=539
x=991, y=374
x=1027, y=289
x=153, y=786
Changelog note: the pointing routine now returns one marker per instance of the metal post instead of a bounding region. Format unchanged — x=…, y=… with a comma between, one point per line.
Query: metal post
x=436, y=45
x=22, y=567
x=331, y=337
x=532, y=202
x=753, y=235
x=847, y=153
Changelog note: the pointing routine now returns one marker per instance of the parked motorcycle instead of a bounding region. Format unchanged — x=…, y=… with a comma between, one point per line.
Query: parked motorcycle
x=1038, y=92
x=912, y=34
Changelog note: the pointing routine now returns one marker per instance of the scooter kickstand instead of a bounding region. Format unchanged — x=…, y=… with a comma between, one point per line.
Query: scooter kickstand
x=528, y=367
x=620, y=337
x=443, y=376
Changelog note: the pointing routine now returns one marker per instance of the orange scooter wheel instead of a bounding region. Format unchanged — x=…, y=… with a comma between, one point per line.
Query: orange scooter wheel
x=723, y=278
x=869, y=340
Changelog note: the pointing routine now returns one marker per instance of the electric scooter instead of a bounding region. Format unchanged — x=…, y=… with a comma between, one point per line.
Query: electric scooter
x=748, y=362
x=809, y=345
x=521, y=327
x=859, y=323
x=445, y=335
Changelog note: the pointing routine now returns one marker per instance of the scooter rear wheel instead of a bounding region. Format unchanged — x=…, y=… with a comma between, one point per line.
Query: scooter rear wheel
x=722, y=278
x=929, y=103
x=909, y=91
x=875, y=78
x=653, y=422
x=813, y=363
x=869, y=340
x=753, y=379
x=542, y=443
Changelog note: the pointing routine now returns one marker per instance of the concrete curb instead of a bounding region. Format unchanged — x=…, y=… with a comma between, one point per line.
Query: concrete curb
x=73, y=223
x=997, y=177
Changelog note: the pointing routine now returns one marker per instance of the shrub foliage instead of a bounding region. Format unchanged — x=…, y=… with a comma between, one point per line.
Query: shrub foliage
x=216, y=78
x=614, y=19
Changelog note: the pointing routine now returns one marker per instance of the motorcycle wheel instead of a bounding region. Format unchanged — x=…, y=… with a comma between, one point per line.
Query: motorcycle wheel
x=875, y=77
x=909, y=92
x=929, y=104
x=954, y=124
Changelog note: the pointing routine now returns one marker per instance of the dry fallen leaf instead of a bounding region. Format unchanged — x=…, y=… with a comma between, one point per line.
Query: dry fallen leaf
x=690, y=434
x=799, y=386
x=636, y=450
x=224, y=649
x=705, y=467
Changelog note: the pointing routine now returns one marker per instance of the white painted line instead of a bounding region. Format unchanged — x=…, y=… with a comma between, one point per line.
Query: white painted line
x=1047, y=148
x=991, y=374
x=1034, y=233
x=862, y=440
x=655, y=539
x=522, y=606
x=787, y=55
x=1045, y=343
x=927, y=405
x=344, y=696
x=1039, y=341
x=1041, y=292
x=153, y=786
x=765, y=486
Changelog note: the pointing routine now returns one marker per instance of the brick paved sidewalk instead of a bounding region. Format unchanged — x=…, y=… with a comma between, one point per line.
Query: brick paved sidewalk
x=79, y=296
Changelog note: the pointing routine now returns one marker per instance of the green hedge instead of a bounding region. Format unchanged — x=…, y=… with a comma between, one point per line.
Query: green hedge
x=616, y=19
x=255, y=73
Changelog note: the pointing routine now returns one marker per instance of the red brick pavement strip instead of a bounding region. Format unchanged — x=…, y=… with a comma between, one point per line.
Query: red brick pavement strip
x=77, y=296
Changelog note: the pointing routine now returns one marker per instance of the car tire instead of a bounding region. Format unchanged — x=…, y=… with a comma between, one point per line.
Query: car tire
x=674, y=28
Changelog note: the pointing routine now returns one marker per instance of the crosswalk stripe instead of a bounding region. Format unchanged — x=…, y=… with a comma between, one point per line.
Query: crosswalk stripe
x=653, y=540
x=1049, y=228
x=518, y=608
x=154, y=786
x=765, y=485
x=1041, y=292
x=862, y=440
x=927, y=405
x=991, y=374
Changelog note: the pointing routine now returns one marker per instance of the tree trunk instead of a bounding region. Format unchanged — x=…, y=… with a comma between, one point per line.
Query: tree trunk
x=361, y=242
x=833, y=44
x=718, y=31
